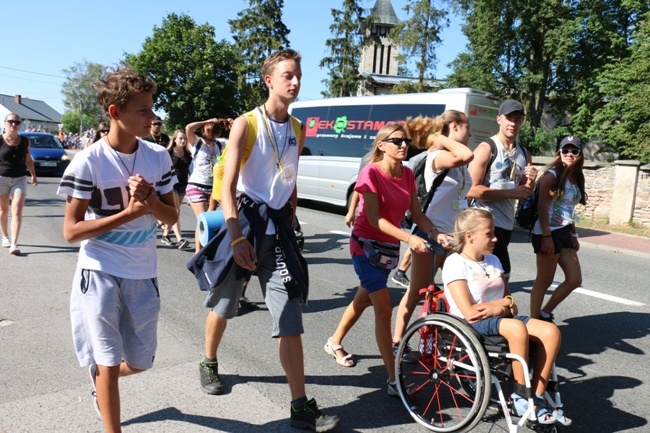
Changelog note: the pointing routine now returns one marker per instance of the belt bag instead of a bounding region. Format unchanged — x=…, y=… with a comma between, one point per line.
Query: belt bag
x=383, y=255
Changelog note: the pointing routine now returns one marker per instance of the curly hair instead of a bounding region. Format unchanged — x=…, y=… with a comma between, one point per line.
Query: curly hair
x=423, y=130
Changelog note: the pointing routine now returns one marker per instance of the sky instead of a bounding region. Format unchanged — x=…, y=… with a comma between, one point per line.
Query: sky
x=50, y=36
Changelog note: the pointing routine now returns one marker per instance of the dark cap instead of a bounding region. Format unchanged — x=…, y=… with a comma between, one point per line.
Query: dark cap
x=571, y=140
x=510, y=106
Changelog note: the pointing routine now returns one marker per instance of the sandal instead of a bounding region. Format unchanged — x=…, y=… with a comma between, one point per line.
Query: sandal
x=559, y=415
x=330, y=349
x=541, y=414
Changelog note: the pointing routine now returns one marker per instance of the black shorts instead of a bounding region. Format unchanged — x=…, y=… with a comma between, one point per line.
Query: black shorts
x=561, y=239
x=501, y=248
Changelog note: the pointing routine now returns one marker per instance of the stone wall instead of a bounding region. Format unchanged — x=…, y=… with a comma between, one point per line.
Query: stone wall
x=599, y=182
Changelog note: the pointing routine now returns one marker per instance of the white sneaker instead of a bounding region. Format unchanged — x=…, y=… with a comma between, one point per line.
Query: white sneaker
x=6, y=243
x=13, y=249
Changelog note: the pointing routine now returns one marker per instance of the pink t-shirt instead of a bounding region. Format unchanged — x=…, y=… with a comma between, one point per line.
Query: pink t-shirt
x=394, y=199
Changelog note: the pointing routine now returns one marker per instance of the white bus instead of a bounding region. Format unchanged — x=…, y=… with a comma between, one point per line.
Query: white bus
x=339, y=131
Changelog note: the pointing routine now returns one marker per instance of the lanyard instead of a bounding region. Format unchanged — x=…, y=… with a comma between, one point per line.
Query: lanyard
x=513, y=161
x=274, y=145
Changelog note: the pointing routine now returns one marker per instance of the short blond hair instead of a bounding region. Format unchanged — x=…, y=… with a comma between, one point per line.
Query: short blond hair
x=279, y=56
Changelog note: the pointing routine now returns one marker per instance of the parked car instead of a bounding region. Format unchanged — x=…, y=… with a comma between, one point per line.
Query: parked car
x=47, y=152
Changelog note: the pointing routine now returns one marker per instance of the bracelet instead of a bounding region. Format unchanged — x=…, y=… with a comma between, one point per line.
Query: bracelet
x=512, y=300
x=409, y=238
x=547, y=236
x=431, y=231
x=238, y=240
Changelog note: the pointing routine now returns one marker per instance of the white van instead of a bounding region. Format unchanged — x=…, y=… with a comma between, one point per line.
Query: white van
x=339, y=131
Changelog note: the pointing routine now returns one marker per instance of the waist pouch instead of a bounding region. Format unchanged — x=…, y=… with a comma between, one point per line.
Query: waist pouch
x=383, y=255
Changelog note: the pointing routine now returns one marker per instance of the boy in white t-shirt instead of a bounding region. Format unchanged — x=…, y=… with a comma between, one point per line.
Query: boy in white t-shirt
x=115, y=191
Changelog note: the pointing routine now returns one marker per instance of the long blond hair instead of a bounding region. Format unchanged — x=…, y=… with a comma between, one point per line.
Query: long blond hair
x=376, y=154
x=172, y=142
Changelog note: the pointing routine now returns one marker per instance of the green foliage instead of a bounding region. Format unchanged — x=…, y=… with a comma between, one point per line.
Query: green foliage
x=70, y=121
x=195, y=74
x=258, y=31
x=344, y=51
x=515, y=49
x=539, y=141
x=624, y=121
x=79, y=91
x=419, y=35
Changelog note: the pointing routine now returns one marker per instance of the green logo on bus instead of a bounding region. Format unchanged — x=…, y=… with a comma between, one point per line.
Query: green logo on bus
x=340, y=124
x=312, y=123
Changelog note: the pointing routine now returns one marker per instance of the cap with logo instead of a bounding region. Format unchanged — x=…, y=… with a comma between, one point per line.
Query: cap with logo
x=571, y=140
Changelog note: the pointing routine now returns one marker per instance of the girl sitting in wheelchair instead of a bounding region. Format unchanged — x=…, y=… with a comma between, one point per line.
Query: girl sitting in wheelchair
x=476, y=291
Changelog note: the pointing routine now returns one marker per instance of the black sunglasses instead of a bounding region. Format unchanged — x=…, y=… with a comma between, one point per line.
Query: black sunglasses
x=104, y=131
x=14, y=122
x=157, y=123
x=398, y=141
x=574, y=152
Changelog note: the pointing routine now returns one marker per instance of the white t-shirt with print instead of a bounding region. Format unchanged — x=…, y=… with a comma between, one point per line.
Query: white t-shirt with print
x=100, y=174
x=204, y=161
x=454, y=188
x=484, y=279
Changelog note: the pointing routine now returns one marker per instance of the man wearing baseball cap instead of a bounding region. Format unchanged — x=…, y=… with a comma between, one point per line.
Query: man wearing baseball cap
x=501, y=174
x=156, y=135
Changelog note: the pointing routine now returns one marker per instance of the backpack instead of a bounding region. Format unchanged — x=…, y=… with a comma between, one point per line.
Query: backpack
x=251, y=137
x=418, y=163
x=493, y=154
x=196, y=152
x=527, y=212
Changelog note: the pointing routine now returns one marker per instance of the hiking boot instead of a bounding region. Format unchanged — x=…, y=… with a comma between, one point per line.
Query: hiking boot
x=166, y=241
x=310, y=417
x=409, y=356
x=182, y=243
x=210, y=381
x=6, y=243
x=401, y=279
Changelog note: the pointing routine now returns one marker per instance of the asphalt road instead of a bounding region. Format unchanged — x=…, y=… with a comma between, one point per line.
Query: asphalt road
x=603, y=361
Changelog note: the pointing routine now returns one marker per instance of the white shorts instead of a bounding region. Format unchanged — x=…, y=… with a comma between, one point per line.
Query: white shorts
x=114, y=319
x=13, y=185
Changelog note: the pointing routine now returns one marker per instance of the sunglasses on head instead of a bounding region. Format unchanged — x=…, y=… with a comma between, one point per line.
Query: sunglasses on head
x=157, y=123
x=398, y=141
x=574, y=152
x=103, y=131
x=14, y=122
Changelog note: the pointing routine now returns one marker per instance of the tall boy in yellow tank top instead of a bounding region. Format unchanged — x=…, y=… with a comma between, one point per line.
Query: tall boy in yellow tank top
x=267, y=178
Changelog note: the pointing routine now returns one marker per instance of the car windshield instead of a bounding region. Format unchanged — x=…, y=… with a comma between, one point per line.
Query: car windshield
x=44, y=141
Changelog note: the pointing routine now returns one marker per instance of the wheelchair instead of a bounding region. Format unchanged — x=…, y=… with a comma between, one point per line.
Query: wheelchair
x=448, y=374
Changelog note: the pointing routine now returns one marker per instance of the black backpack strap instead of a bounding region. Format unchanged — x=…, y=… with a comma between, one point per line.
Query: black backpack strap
x=434, y=186
x=493, y=152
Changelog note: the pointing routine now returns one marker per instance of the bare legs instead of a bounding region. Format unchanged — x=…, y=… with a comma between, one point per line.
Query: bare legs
x=546, y=267
x=17, y=205
x=380, y=300
x=108, y=393
x=177, y=226
x=545, y=333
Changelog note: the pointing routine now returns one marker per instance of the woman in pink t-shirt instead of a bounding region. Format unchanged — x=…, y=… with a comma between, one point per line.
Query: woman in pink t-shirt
x=387, y=190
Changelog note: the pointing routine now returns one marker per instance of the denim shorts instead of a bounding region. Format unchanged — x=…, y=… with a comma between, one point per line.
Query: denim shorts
x=490, y=326
x=371, y=277
x=435, y=246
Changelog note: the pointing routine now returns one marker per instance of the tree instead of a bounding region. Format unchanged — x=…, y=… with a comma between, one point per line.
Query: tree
x=71, y=123
x=196, y=75
x=258, y=31
x=419, y=35
x=515, y=50
x=344, y=50
x=79, y=94
x=624, y=121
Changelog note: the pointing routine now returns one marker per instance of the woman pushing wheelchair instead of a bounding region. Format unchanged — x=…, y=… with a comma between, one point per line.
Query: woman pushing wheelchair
x=476, y=291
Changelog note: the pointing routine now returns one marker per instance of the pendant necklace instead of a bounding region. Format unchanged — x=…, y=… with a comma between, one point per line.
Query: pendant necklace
x=478, y=263
x=274, y=145
x=135, y=158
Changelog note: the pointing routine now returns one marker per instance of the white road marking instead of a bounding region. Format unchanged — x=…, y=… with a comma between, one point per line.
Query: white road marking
x=342, y=233
x=603, y=296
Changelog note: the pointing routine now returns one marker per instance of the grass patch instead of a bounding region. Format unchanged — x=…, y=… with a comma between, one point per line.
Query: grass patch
x=604, y=225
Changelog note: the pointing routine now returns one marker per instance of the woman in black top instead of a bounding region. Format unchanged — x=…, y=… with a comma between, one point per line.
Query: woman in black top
x=15, y=159
x=181, y=159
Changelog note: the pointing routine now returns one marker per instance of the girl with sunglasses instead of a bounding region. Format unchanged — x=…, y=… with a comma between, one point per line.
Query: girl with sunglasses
x=555, y=240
